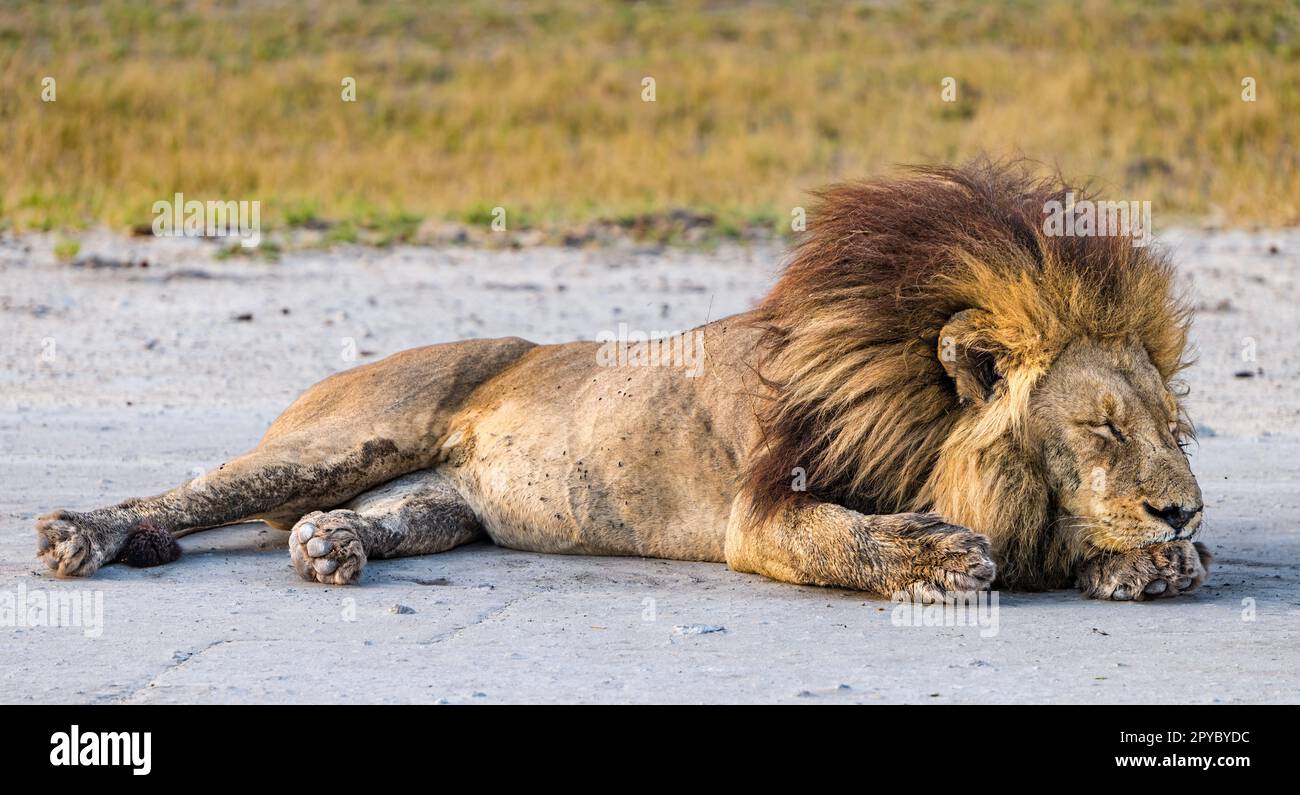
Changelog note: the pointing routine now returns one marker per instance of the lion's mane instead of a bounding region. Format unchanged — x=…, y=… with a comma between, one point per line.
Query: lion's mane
x=858, y=397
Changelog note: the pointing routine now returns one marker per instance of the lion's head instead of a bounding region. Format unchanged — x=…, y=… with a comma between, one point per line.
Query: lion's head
x=931, y=347
x=1110, y=440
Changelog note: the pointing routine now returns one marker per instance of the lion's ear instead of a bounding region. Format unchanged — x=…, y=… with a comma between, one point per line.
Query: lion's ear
x=968, y=357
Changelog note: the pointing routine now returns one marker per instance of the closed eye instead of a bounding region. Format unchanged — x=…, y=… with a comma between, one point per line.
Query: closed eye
x=1107, y=429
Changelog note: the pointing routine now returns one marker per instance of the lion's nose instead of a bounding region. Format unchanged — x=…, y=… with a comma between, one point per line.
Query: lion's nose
x=1175, y=515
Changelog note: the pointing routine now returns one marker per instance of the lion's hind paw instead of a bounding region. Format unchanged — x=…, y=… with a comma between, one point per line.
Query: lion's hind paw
x=66, y=546
x=325, y=547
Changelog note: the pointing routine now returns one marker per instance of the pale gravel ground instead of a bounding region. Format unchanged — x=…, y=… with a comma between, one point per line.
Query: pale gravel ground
x=152, y=378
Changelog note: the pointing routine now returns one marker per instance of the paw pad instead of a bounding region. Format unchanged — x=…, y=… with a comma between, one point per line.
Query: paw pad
x=326, y=547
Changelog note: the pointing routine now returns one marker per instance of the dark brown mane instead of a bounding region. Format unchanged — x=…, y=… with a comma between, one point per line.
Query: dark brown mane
x=860, y=400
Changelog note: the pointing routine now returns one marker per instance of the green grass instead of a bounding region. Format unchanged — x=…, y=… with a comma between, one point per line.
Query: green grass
x=536, y=107
x=67, y=249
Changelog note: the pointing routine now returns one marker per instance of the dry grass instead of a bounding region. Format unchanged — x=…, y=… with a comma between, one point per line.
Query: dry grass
x=536, y=107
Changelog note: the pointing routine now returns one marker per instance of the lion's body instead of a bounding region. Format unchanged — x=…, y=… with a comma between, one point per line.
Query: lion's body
x=554, y=452
x=826, y=437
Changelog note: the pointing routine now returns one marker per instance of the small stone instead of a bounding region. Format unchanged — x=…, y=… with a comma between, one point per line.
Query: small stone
x=401, y=610
x=697, y=629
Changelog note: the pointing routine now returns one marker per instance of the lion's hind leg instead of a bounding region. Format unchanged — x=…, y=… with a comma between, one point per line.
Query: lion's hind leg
x=417, y=514
x=280, y=480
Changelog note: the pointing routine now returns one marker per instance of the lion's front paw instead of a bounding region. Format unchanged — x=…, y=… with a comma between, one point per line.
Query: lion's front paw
x=69, y=545
x=958, y=561
x=1155, y=572
x=326, y=548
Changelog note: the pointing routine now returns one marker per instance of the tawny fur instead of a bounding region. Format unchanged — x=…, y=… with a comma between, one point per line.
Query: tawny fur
x=832, y=439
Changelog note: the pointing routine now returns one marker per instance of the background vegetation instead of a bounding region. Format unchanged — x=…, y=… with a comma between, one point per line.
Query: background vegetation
x=536, y=106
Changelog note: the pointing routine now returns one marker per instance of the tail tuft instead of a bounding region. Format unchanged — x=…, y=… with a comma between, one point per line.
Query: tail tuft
x=149, y=545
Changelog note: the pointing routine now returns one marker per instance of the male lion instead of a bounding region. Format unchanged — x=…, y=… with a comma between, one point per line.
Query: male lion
x=933, y=385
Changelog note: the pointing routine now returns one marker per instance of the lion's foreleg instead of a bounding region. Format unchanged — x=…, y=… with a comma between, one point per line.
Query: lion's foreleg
x=818, y=543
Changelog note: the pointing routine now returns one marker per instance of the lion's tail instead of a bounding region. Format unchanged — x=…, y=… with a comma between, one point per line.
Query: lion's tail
x=149, y=545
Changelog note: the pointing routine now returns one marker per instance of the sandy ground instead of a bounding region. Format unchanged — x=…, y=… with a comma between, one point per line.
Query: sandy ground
x=122, y=379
